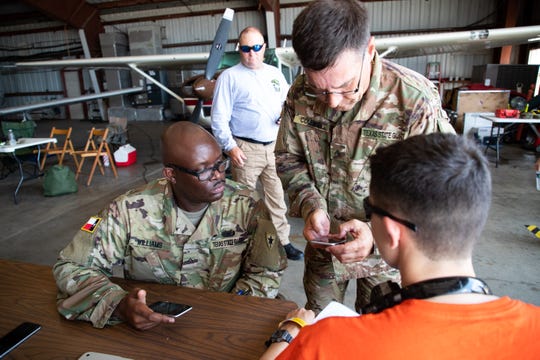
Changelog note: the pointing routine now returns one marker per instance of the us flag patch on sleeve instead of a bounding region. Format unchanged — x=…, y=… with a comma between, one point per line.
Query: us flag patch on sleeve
x=91, y=224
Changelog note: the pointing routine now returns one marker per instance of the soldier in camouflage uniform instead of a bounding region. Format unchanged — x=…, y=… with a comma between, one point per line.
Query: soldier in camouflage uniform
x=191, y=228
x=348, y=103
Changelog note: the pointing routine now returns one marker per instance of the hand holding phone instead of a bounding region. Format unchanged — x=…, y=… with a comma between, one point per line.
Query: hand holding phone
x=170, y=308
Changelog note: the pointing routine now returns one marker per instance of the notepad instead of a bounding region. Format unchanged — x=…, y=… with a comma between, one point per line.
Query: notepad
x=335, y=309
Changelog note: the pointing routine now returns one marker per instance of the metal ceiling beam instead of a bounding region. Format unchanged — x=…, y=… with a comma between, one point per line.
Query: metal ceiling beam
x=75, y=13
x=273, y=6
x=512, y=11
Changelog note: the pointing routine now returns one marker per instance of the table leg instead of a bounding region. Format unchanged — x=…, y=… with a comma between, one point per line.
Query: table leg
x=497, y=144
x=21, y=172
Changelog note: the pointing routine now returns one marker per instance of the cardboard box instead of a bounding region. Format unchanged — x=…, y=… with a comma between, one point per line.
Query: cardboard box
x=476, y=101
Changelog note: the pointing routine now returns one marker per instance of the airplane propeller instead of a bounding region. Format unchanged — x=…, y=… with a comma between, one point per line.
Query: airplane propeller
x=203, y=86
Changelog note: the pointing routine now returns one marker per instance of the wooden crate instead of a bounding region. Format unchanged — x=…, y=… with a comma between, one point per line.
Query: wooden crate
x=478, y=101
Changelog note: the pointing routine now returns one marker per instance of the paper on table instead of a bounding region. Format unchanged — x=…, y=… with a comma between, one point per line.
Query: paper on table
x=335, y=309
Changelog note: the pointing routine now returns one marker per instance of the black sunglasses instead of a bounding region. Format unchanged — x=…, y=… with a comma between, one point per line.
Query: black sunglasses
x=372, y=209
x=256, y=48
x=204, y=174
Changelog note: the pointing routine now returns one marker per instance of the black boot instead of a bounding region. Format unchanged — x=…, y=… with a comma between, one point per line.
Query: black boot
x=293, y=253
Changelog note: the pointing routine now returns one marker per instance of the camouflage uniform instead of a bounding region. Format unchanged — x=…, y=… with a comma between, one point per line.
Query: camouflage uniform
x=143, y=236
x=322, y=158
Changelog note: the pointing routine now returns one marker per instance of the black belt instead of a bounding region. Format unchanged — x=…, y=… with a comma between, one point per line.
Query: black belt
x=254, y=141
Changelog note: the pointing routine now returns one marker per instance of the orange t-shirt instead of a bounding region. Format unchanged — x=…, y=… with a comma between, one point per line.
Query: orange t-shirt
x=419, y=329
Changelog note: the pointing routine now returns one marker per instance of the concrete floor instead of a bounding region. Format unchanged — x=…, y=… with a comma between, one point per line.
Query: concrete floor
x=507, y=257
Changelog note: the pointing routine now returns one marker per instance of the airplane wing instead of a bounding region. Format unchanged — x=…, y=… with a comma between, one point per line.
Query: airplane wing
x=389, y=47
x=67, y=101
x=394, y=47
x=460, y=41
x=437, y=43
x=122, y=61
x=211, y=60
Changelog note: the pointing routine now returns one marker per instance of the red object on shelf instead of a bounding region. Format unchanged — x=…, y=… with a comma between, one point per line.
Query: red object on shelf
x=507, y=113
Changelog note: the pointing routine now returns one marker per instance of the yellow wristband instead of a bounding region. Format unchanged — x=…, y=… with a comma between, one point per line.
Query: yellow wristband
x=296, y=320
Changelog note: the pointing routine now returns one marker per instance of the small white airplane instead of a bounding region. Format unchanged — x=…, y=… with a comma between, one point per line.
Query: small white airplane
x=198, y=91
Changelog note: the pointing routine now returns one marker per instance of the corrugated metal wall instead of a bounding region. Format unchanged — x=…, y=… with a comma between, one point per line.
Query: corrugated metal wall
x=42, y=80
x=181, y=33
x=417, y=15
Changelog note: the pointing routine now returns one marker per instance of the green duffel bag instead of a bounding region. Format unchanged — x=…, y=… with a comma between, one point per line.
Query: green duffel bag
x=59, y=180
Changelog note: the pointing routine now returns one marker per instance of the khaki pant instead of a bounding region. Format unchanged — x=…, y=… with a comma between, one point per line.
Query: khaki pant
x=261, y=165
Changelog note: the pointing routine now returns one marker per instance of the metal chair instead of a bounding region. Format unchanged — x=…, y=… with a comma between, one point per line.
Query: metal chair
x=96, y=147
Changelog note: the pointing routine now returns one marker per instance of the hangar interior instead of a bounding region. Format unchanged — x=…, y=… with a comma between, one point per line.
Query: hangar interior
x=30, y=30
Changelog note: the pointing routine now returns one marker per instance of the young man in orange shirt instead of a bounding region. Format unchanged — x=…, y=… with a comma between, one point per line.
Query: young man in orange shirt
x=429, y=201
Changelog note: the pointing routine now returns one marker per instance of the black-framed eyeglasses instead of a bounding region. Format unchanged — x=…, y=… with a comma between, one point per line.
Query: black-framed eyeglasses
x=204, y=174
x=308, y=91
x=372, y=209
x=256, y=48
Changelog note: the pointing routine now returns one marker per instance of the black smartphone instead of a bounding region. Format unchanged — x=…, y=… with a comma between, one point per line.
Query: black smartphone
x=16, y=337
x=170, y=308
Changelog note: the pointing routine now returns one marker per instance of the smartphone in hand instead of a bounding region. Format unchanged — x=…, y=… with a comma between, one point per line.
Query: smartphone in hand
x=170, y=308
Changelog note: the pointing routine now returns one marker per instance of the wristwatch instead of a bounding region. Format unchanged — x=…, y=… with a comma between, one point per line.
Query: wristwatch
x=278, y=336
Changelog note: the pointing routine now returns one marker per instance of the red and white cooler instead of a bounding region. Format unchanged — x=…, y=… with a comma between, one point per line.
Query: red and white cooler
x=125, y=155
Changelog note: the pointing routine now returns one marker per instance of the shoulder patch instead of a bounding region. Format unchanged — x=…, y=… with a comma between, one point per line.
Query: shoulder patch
x=271, y=239
x=91, y=224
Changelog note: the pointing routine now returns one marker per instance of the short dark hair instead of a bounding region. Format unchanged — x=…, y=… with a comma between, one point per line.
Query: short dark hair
x=325, y=28
x=440, y=182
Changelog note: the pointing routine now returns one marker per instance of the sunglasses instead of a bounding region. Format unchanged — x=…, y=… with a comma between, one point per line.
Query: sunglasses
x=256, y=48
x=372, y=209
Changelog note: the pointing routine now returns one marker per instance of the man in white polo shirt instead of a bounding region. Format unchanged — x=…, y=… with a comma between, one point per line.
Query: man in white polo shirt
x=246, y=110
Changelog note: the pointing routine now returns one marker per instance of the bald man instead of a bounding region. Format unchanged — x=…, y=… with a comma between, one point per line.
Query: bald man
x=245, y=120
x=191, y=228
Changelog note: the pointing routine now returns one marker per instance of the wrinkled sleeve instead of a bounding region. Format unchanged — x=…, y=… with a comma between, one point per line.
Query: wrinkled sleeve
x=292, y=167
x=428, y=115
x=221, y=113
x=84, y=267
x=265, y=260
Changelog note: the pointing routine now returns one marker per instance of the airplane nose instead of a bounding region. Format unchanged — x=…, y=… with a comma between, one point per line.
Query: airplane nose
x=204, y=88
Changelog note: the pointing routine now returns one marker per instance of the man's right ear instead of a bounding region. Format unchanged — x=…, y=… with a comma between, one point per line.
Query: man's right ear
x=393, y=231
x=168, y=173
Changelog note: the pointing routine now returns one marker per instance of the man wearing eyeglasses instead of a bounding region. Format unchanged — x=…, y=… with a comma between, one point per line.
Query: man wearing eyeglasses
x=190, y=228
x=347, y=103
x=429, y=202
x=245, y=119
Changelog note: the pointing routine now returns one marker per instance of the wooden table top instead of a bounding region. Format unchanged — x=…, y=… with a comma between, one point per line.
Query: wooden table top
x=220, y=325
